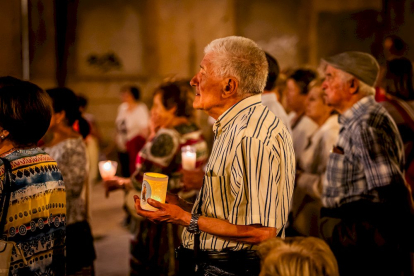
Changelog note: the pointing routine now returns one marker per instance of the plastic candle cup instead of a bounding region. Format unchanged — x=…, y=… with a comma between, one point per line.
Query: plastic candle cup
x=107, y=168
x=154, y=186
x=188, y=158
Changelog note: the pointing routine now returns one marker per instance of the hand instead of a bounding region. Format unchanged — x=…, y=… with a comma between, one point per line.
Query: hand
x=172, y=199
x=192, y=180
x=165, y=213
x=115, y=183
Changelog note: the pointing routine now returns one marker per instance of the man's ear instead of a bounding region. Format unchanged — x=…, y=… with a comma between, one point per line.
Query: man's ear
x=60, y=116
x=229, y=88
x=353, y=86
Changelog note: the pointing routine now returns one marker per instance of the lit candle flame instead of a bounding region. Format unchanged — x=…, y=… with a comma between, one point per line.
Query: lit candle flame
x=107, y=166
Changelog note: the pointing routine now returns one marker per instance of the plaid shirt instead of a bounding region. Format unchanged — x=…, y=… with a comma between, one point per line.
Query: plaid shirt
x=369, y=154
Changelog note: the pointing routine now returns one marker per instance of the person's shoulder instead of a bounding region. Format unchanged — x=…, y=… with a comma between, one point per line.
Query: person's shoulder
x=186, y=128
x=168, y=136
x=27, y=157
x=141, y=107
x=263, y=123
x=122, y=107
x=376, y=116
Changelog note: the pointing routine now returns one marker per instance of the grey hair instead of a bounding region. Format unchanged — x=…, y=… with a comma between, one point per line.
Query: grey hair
x=364, y=88
x=241, y=58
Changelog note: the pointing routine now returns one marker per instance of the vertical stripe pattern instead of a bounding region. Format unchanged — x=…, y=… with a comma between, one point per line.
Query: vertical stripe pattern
x=250, y=174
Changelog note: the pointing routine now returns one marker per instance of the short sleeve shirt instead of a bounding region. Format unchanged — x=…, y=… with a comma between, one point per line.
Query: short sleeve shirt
x=250, y=174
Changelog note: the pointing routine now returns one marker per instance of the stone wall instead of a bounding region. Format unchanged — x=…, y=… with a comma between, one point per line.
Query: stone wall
x=144, y=42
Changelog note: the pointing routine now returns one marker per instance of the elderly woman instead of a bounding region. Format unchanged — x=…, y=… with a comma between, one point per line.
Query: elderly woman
x=297, y=90
x=312, y=164
x=152, y=249
x=36, y=200
x=68, y=149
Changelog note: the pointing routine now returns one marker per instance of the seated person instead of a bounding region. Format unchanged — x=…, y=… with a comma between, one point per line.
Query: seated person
x=297, y=256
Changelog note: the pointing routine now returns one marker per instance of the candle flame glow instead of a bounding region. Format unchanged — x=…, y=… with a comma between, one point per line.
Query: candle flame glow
x=107, y=166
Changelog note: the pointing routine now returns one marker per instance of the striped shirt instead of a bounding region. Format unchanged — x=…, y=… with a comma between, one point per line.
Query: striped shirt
x=373, y=156
x=250, y=174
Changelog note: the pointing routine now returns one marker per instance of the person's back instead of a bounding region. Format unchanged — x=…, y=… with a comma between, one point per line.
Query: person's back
x=37, y=214
x=399, y=102
x=36, y=196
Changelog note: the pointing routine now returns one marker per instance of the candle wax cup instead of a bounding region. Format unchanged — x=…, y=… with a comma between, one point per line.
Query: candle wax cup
x=154, y=186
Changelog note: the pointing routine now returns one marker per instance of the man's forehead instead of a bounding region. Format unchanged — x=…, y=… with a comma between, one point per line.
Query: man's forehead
x=206, y=61
x=329, y=69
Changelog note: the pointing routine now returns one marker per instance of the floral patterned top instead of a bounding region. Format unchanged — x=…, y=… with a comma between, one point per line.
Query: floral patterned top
x=163, y=153
x=71, y=157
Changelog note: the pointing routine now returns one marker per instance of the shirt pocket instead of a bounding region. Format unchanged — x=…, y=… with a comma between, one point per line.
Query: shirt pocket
x=217, y=197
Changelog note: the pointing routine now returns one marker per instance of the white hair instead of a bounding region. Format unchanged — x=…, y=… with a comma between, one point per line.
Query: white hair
x=364, y=88
x=241, y=58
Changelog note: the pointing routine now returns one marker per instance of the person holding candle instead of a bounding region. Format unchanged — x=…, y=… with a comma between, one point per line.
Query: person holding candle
x=68, y=149
x=36, y=208
x=171, y=130
x=250, y=174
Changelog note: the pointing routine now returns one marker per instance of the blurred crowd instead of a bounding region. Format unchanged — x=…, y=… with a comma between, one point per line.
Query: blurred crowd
x=348, y=207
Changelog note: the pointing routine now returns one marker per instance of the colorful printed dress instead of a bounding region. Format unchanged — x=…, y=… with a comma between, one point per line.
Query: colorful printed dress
x=152, y=249
x=36, y=217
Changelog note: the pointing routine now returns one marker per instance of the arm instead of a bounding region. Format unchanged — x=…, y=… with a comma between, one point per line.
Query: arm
x=310, y=180
x=380, y=154
x=73, y=166
x=253, y=234
x=256, y=193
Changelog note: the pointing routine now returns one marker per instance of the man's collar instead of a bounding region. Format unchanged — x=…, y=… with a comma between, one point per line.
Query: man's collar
x=357, y=110
x=233, y=111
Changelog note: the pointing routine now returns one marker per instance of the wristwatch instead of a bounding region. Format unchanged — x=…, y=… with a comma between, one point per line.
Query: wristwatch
x=193, y=227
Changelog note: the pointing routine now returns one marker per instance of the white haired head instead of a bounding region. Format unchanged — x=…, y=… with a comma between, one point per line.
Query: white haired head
x=241, y=58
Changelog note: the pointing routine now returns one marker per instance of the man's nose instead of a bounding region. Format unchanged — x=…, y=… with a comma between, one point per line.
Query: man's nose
x=194, y=81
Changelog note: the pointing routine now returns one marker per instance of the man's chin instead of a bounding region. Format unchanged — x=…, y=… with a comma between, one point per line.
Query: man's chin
x=197, y=105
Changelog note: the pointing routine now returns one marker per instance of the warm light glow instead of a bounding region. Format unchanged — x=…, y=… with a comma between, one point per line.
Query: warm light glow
x=188, y=158
x=155, y=187
x=107, y=168
x=157, y=198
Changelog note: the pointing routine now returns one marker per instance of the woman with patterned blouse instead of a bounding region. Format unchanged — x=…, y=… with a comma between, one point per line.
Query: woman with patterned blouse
x=152, y=248
x=69, y=151
x=35, y=219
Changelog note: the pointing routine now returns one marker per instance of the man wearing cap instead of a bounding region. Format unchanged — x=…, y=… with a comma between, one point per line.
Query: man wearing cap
x=364, y=192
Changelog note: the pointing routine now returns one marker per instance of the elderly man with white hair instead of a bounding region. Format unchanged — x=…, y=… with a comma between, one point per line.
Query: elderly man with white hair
x=364, y=194
x=248, y=184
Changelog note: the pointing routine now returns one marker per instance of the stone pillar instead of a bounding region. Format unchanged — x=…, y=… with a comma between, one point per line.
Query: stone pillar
x=11, y=47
